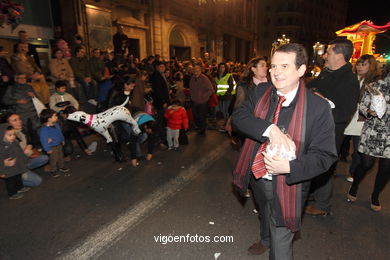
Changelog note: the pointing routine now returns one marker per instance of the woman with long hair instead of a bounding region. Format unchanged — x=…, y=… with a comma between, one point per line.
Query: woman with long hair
x=255, y=73
x=374, y=143
x=367, y=72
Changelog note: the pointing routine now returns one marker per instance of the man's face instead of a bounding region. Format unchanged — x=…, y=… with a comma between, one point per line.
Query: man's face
x=331, y=58
x=81, y=53
x=22, y=48
x=161, y=68
x=284, y=74
x=21, y=79
x=96, y=53
x=197, y=71
x=23, y=36
x=15, y=122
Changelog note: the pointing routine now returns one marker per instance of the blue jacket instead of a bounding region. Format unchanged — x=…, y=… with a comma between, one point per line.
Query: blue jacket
x=53, y=132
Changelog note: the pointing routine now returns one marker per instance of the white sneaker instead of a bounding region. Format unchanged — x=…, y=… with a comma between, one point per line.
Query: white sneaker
x=349, y=179
x=92, y=147
x=93, y=102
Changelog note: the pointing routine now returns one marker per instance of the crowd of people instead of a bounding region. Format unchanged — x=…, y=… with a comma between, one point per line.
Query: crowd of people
x=167, y=98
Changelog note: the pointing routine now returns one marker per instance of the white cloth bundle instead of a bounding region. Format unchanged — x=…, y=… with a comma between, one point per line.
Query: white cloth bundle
x=378, y=102
x=290, y=155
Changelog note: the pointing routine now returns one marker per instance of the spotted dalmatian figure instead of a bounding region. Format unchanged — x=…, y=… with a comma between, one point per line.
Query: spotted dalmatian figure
x=100, y=122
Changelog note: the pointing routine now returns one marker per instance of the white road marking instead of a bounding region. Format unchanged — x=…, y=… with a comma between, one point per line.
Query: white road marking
x=97, y=243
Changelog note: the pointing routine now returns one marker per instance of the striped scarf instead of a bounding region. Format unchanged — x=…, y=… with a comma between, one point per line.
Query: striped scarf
x=288, y=202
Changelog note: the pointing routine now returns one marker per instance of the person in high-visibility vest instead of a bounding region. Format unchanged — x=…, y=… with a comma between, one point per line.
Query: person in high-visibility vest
x=226, y=87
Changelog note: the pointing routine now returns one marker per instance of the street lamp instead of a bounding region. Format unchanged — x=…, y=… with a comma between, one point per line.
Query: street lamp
x=279, y=42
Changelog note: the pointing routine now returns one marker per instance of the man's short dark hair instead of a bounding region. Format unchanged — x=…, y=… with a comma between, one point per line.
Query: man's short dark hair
x=158, y=63
x=343, y=46
x=301, y=57
x=78, y=48
x=60, y=83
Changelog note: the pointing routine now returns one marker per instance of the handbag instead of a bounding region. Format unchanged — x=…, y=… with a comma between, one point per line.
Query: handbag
x=39, y=106
x=183, y=138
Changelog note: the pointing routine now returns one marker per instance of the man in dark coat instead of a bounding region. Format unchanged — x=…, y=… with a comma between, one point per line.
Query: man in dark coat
x=340, y=85
x=281, y=182
x=160, y=95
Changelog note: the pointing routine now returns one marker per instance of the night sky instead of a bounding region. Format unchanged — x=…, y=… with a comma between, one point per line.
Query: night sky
x=378, y=12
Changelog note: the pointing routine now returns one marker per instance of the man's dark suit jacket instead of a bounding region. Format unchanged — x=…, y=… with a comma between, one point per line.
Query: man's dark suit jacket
x=160, y=92
x=342, y=88
x=319, y=151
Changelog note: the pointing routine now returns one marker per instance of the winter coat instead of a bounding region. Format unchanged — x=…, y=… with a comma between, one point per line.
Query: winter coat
x=53, y=132
x=200, y=89
x=176, y=119
x=375, y=137
x=11, y=150
x=58, y=98
x=97, y=68
x=19, y=91
x=60, y=69
x=80, y=67
x=26, y=66
x=342, y=88
x=160, y=93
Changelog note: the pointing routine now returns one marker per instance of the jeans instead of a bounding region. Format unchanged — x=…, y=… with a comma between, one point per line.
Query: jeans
x=31, y=179
x=37, y=162
x=173, y=137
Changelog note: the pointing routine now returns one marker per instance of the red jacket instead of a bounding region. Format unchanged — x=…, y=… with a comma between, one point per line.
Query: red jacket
x=176, y=119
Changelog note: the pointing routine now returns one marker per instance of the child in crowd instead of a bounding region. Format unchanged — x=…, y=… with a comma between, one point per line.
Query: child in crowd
x=52, y=141
x=61, y=99
x=148, y=133
x=13, y=162
x=71, y=132
x=177, y=119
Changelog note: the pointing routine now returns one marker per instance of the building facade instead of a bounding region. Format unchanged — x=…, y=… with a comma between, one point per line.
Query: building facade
x=171, y=28
x=302, y=21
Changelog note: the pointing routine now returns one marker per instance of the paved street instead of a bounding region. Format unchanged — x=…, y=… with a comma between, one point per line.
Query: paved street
x=108, y=210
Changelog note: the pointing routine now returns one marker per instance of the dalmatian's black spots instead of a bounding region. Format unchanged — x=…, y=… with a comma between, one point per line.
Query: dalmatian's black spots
x=100, y=122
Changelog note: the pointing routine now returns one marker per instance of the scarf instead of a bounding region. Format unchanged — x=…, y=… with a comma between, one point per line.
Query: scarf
x=288, y=199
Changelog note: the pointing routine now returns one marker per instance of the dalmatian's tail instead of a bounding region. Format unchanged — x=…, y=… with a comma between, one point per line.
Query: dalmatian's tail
x=126, y=101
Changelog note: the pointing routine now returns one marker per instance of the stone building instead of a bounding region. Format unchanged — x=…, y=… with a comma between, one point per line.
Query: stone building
x=172, y=28
x=302, y=21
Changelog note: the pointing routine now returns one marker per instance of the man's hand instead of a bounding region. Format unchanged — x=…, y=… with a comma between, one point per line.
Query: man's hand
x=30, y=94
x=276, y=165
x=49, y=140
x=9, y=162
x=165, y=105
x=21, y=101
x=278, y=138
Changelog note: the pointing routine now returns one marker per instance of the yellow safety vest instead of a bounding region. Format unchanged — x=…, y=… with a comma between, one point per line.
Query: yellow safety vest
x=223, y=84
